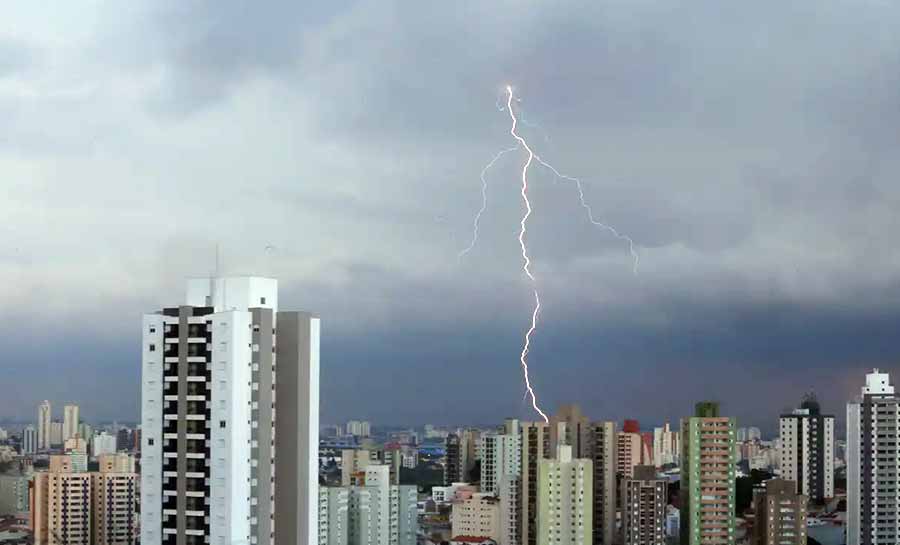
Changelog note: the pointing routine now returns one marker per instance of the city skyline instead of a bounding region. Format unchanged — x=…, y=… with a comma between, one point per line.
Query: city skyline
x=753, y=171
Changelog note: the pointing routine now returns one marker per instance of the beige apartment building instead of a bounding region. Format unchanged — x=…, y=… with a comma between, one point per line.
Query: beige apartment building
x=478, y=516
x=71, y=507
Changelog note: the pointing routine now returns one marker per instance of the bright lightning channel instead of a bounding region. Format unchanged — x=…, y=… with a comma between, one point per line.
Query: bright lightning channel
x=523, y=358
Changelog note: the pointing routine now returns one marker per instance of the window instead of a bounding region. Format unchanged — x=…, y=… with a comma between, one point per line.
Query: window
x=150, y=442
x=262, y=300
x=221, y=423
x=153, y=348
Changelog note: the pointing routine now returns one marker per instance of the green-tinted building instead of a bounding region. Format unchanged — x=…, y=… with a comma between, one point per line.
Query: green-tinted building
x=564, y=506
x=708, y=461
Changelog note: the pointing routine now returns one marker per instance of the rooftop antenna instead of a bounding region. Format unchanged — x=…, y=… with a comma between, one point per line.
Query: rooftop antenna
x=214, y=279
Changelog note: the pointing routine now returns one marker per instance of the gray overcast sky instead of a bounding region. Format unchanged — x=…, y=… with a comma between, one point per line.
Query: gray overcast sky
x=748, y=149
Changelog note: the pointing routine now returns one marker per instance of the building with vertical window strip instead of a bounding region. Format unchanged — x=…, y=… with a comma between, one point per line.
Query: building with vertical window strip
x=565, y=489
x=780, y=514
x=873, y=464
x=807, y=450
x=707, y=477
x=209, y=434
x=644, y=500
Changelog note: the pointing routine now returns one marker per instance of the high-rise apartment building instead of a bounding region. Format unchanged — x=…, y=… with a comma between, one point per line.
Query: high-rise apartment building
x=453, y=467
x=501, y=470
x=535, y=447
x=209, y=430
x=565, y=489
x=56, y=434
x=354, y=463
x=873, y=464
x=602, y=453
x=114, y=490
x=74, y=507
x=644, y=500
x=666, y=446
x=462, y=453
x=334, y=515
x=476, y=516
x=780, y=514
x=85, y=431
x=43, y=425
x=381, y=513
x=500, y=456
x=14, y=485
x=754, y=434
x=70, y=422
x=103, y=443
x=61, y=512
x=807, y=450
x=707, y=477
x=359, y=428
x=574, y=431
x=629, y=446
x=29, y=440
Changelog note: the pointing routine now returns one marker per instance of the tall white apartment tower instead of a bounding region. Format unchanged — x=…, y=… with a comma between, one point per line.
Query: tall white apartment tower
x=210, y=441
x=873, y=464
x=43, y=424
x=70, y=422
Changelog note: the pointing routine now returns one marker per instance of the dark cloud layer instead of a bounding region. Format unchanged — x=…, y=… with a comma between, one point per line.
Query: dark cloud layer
x=748, y=150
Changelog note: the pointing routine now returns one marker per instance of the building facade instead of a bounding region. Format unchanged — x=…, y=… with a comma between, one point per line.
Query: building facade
x=354, y=463
x=628, y=453
x=29, y=440
x=666, y=446
x=644, y=500
x=43, y=425
x=334, y=515
x=807, y=450
x=209, y=432
x=103, y=443
x=873, y=464
x=381, y=513
x=707, y=488
x=453, y=466
x=565, y=489
x=14, y=490
x=780, y=514
x=535, y=447
x=70, y=422
x=114, y=491
x=61, y=514
x=501, y=471
x=477, y=516
x=602, y=453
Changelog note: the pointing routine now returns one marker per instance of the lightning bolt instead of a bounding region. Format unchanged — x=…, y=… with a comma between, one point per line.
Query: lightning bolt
x=487, y=167
x=635, y=257
x=523, y=357
x=523, y=230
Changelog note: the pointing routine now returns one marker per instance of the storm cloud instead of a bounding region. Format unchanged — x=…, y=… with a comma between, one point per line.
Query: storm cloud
x=749, y=150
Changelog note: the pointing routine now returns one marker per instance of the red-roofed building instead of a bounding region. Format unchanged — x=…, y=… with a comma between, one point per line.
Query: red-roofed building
x=472, y=540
